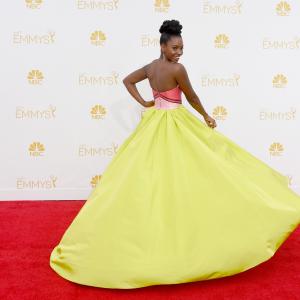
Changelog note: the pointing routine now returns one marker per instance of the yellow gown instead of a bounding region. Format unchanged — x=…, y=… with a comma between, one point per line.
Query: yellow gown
x=179, y=202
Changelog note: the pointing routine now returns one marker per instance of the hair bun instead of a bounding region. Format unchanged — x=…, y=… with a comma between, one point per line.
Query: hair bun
x=171, y=27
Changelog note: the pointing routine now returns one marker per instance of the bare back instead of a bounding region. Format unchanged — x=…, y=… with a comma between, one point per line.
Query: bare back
x=164, y=76
x=161, y=75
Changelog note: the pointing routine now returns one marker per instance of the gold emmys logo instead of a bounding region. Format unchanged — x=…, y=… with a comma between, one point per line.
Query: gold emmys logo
x=220, y=113
x=161, y=5
x=281, y=44
x=283, y=8
x=95, y=180
x=276, y=149
x=148, y=41
x=209, y=8
x=33, y=4
x=26, y=113
x=97, y=38
x=280, y=115
x=221, y=41
x=36, y=149
x=207, y=81
x=35, y=77
x=92, y=4
x=85, y=150
x=92, y=80
x=98, y=112
x=279, y=81
x=48, y=183
x=29, y=39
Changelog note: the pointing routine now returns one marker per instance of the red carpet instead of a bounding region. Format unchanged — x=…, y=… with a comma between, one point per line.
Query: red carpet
x=30, y=229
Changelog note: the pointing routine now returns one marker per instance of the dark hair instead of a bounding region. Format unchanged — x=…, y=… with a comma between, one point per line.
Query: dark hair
x=168, y=29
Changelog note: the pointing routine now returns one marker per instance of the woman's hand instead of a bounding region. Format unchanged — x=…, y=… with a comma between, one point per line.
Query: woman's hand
x=149, y=103
x=210, y=121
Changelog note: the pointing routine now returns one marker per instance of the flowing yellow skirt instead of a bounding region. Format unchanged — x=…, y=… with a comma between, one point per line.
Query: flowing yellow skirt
x=179, y=202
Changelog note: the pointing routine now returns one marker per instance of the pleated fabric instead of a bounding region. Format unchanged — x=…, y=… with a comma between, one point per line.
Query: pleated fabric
x=179, y=202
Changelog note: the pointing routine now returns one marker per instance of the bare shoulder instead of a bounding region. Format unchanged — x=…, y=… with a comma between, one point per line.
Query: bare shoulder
x=153, y=61
x=180, y=73
x=173, y=68
x=184, y=82
x=146, y=66
x=179, y=68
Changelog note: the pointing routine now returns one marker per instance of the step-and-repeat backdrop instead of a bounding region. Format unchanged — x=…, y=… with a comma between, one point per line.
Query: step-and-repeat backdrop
x=64, y=108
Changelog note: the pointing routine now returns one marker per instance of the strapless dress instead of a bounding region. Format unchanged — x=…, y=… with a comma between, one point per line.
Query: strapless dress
x=178, y=202
x=167, y=99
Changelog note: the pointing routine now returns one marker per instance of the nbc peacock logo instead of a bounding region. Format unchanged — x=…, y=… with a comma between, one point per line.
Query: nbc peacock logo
x=220, y=113
x=279, y=81
x=33, y=4
x=161, y=5
x=283, y=8
x=98, y=112
x=95, y=180
x=97, y=38
x=221, y=41
x=276, y=149
x=35, y=77
x=36, y=149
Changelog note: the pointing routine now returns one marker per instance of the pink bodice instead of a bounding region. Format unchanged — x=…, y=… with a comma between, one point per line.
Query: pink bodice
x=168, y=99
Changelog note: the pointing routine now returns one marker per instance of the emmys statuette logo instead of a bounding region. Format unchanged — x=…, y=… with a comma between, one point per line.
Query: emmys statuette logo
x=97, y=38
x=85, y=150
x=283, y=8
x=95, y=180
x=221, y=41
x=278, y=115
x=99, y=5
x=161, y=5
x=279, y=81
x=92, y=80
x=276, y=149
x=220, y=113
x=207, y=81
x=36, y=149
x=23, y=113
x=35, y=77
x=224, y=8
x=148, y=41
x=33, y=4
x=98, y=112
x=39, y=184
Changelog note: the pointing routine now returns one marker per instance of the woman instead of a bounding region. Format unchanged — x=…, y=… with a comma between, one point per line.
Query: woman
x=179, y=201
x=167, y=72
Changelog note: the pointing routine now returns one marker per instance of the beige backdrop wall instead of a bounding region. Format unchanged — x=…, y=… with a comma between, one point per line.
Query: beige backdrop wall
x=65, y=110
